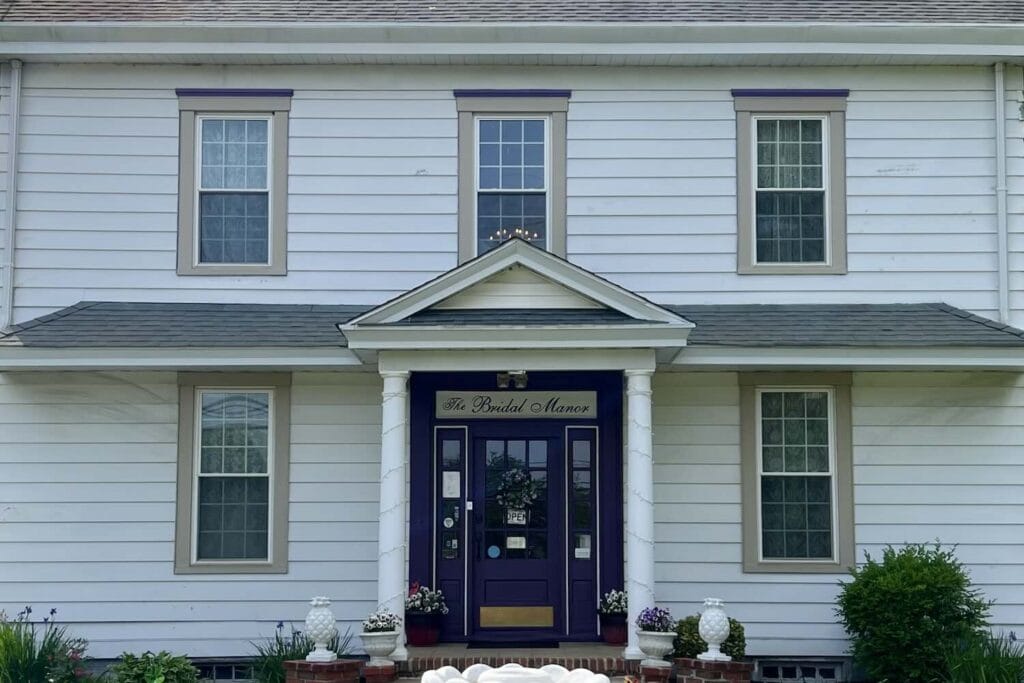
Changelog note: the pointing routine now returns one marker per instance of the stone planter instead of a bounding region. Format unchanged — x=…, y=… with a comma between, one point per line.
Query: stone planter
x=379, y=646
x=422, y=629
x=613, y=628
x=655, y=644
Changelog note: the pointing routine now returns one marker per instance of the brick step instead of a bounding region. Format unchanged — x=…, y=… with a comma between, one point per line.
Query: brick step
x=610, y=666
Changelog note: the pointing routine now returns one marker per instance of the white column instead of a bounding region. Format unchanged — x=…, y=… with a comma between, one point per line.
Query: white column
x=391, y=552
x=639, y=503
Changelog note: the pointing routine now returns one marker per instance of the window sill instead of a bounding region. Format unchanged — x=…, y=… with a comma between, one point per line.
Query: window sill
x=233, y=568
x=794, y=568
x=234, y=271
x=791, y=269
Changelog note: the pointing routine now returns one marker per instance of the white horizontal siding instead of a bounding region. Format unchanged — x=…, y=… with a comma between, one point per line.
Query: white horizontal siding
x=87, y=484
x=372, y=208
x=936, y=456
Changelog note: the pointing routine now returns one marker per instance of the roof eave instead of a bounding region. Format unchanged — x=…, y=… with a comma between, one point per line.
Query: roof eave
x=466, y=40
x=1009, y=358
x=21, y=358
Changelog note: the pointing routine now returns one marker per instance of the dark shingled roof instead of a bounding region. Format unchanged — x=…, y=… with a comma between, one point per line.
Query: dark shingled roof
x=517, y=11
x=112, y=325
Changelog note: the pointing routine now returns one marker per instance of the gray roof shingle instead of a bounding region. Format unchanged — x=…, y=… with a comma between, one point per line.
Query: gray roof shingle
x=517, y=11
x=166, y=325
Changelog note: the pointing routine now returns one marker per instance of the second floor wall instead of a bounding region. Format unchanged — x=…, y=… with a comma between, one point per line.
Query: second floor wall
x=650, y=183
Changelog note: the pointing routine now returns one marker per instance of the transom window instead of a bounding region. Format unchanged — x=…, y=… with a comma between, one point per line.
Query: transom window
x=512, y=181
x=791, y=190
x=233, y=475
x=796, y=474
x=233, y=194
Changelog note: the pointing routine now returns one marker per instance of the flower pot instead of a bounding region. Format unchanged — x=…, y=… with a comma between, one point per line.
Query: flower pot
x=655, y=644
x=613, y=628
x=379, y=645
x=422, y=629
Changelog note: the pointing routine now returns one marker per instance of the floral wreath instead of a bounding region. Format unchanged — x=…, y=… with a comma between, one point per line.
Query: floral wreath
x=517, y=490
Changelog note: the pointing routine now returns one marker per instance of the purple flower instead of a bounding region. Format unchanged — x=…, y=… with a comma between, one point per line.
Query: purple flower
x=655, y=619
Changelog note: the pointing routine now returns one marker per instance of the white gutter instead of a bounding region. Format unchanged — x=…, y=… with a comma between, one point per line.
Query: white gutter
x=1002, y=237
x=854, y=358
x=15, y=358
x=11, y=209
x=111, y=40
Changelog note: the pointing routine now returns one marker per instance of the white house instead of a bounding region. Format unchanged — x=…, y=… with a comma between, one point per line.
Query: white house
x=293, y=291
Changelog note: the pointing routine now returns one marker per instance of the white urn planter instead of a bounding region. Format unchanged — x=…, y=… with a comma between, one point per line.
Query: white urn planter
x=713, y=627
x=655, y=644
x=321, y=629
x=379, y=645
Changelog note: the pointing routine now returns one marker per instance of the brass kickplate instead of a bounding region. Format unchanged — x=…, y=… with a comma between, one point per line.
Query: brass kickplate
x=542, y=616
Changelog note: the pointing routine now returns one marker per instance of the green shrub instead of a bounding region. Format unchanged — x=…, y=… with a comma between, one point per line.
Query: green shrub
x=31, y=655
x=271, y=654
x=154, y=668
x=987, y=659
x=907, y=612
x=689, y=643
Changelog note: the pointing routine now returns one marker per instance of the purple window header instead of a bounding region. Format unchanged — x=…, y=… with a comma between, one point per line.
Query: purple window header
x=787, y=92
x=233, y=92
x=512, y=93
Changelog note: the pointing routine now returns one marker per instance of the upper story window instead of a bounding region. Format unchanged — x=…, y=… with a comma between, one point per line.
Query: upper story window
x=511, y=169
x=233, y=182
x=512, y=196
x=791, y=172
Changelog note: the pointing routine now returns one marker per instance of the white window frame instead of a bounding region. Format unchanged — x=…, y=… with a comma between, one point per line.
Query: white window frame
x=832, y=473
x=477, y=119
x=197, y=473
x=826, y=180
x=199, y=189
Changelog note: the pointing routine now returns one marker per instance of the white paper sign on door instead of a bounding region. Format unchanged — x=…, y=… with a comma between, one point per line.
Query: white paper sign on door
x=451, y=485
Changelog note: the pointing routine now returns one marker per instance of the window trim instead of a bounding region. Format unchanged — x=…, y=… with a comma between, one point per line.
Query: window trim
x=189, y=387
x=833, y=110
x=841, y=431
x=472, y=108
x=192, y=109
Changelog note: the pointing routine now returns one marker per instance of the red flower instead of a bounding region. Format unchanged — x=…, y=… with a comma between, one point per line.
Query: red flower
x=414, y=588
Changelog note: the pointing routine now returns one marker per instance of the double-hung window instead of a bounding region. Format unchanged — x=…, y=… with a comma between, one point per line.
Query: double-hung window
x=511, y=169
x=797, y=488
x=791, y=182
x=232, y=486
x=233, y=184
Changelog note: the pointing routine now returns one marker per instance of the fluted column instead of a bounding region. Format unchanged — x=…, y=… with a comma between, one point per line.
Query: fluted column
x=391, y=551
x=639, y=502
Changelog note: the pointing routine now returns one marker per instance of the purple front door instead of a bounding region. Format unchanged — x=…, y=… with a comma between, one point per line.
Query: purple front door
x=517, y=552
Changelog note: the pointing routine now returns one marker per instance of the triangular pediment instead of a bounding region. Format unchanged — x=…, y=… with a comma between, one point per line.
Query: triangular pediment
x=516, y=287
x=520, y=286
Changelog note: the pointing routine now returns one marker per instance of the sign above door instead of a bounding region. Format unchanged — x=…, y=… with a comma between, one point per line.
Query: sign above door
x=519, y=404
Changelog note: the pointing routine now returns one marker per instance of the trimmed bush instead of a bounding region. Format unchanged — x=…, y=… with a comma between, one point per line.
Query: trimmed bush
x=905, y=614
x=689, y=643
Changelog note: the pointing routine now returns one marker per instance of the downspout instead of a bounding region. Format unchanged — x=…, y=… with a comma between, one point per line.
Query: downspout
x=11, y=210
x=1002, y=236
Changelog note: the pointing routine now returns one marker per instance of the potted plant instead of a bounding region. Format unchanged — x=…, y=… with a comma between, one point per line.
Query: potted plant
x=612, y=612
x=380, y=636
x=423, y=611
x=655, y=630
